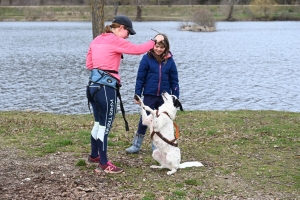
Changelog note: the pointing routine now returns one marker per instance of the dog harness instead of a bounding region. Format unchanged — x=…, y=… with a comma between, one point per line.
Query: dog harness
x=172, y=142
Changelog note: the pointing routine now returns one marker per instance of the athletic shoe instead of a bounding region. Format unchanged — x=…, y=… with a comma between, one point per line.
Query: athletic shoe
x=109, y=168
x=93, y=160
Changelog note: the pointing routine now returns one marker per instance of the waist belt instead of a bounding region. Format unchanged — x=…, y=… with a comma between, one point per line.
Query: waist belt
x=103, y=78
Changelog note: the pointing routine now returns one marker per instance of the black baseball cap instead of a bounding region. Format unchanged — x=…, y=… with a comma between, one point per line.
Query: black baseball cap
x=123, y=20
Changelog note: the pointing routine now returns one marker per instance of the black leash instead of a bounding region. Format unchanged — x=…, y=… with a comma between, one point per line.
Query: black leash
x=122, y=107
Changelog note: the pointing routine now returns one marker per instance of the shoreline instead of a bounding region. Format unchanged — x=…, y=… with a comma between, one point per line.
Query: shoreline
x=149, y=13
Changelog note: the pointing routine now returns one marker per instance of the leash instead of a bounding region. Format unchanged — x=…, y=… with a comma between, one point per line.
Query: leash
x=122, y=108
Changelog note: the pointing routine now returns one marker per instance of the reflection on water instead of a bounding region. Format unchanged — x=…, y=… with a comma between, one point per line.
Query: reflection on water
x=244, y=65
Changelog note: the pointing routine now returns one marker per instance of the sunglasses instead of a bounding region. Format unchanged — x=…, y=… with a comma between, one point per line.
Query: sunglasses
x=127, y=30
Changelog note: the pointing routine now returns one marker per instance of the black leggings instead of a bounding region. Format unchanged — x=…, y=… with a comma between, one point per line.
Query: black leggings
x=104, y=104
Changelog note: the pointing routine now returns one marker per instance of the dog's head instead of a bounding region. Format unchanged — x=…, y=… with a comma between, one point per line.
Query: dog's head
x=171, y=103
x=171, y=99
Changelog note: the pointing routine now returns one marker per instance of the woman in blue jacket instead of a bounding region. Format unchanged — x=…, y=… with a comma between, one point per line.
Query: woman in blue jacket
x=157, y=73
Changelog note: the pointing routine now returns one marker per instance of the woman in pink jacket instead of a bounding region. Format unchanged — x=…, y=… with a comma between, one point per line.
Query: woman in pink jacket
x=103, y=60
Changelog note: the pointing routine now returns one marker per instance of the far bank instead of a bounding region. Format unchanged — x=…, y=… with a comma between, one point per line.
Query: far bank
x=149, y=13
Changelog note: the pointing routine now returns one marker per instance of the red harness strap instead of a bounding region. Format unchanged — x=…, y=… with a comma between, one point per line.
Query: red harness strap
x=177, y=130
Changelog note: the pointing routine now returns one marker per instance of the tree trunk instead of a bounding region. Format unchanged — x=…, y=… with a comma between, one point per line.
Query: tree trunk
x=97, y=17
x=232, y=3
x=116, y=7
x=138, y=13
x=229, y=16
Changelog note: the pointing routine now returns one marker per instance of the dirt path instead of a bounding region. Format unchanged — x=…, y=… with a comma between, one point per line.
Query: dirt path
x=53, y=177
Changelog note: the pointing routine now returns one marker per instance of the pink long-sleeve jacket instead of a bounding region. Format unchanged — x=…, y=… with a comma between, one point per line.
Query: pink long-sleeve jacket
x=106, y=49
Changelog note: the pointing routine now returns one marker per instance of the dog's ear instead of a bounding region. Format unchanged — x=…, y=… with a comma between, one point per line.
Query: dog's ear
x=181, y=108
x=178, y=104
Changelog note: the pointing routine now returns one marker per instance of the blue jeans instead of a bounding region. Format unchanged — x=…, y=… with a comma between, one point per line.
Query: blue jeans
x=153, y=102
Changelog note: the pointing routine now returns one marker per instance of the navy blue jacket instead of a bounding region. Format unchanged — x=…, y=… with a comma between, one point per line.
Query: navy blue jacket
x=153, y=77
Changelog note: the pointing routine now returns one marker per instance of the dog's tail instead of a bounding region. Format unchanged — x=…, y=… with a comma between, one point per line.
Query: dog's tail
x=190, y=164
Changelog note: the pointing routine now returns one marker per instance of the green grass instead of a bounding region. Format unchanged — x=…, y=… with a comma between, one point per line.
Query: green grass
x=243, y=151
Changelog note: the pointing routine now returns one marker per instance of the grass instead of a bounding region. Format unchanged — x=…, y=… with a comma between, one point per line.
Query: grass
x=149, y=13
x=244, y=152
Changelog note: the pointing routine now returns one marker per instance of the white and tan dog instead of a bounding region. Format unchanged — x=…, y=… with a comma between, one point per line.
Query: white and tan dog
x=161, y=127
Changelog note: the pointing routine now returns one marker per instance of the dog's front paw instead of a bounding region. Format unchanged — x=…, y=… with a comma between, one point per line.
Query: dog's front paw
x=147, y=108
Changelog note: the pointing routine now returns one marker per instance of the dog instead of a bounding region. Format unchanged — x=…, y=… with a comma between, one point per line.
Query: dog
x=161, y=127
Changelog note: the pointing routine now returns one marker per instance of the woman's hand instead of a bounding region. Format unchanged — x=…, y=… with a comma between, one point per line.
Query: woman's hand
x=137, y=102
x=137, y=99
x=159, y=38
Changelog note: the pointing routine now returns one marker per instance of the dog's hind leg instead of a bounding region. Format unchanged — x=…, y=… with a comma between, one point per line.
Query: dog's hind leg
x=173, y=159
x=172, y=171
x=156, y=167
x=158, y=156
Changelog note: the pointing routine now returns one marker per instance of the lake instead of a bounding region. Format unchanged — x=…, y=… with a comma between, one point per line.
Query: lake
x=243, y=65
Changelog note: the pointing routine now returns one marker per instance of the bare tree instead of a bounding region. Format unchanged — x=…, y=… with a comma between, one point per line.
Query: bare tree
x=231, y=5
x=138, y=11
x=203, y=17
x=97, y=17
x=116, y=7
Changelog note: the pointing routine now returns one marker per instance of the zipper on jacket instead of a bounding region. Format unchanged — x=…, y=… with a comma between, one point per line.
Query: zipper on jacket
x=159, y=80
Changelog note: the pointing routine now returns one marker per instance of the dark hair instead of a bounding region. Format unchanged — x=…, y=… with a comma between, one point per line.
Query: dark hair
x=165, y=43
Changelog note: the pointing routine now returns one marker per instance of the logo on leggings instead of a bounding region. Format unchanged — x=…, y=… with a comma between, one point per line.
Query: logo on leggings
x=110, y=118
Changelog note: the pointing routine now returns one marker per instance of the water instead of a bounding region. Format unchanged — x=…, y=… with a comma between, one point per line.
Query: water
x=243, y=65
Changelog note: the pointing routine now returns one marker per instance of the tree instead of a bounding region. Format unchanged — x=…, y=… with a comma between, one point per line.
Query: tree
x=262, y=7
x=203, y=17
x=230, y=4
x=97, y=17
x=116, y=7
x=138, y=11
